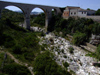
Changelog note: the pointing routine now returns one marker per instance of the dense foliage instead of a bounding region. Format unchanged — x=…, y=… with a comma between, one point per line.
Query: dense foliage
x=72, y=26
x=24, y=45
x=71, y=50
x=66, y=64
x=15, y=17
x=9, y=67
x=79, y=38
x=44, y=65
x=15, y=69
x=39, y=20
x=19, y=41
x=98, y=52
x=98, y=12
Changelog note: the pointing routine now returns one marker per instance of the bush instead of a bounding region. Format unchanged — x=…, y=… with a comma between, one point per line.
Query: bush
x=15, y=69
x=79, y=38
x=98, y=52
x=44, y=65
x=42, y=34
x=30, y=41
x=62, y=51
x=65, y=56
x=97, y=12
x=40, y=19
x=29, y=56
x=65, y=64
x=96, y=29
x=71, y=49
x=3, y=74
x=17, y=49
x=8, y=41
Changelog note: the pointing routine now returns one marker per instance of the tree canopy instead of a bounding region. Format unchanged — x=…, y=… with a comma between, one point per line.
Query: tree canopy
x=98, y=12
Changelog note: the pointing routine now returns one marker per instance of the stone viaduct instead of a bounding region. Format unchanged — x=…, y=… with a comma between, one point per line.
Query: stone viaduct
x=27, y=8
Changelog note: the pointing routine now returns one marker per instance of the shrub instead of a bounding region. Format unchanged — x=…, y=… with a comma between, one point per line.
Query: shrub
x=65, y=56
x=8, y=41
x=62, y=51
x=65, y=64
x=15, y=69
x=96, y=64
x=24, y=49
x=40, y=19
x=79, y=38
x=96, y=29
x=71, y=49
x=17, y=49
x=98, y=52
x=44, y=65
x=3, y=74
x=29, y=56
x=97, y=12
x=42, y=34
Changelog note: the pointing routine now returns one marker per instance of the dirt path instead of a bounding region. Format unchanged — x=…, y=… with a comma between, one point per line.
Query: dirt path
x=19, y=62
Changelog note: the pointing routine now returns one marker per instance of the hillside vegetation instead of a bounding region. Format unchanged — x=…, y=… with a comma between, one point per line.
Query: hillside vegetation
x=24, y=45
x=9, y=67
x=74, y=26
x=80, y=29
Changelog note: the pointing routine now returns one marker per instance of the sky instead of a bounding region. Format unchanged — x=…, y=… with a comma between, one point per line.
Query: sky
x=92, y=4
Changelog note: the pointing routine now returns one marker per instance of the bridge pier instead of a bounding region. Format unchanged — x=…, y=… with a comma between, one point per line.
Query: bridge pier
x=27, y=23
x=27, y=20
x=46, y=23
x=0, y=14
x=47, y=20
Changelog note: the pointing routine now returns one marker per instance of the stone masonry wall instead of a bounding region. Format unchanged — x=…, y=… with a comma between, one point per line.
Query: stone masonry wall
x=95, y=18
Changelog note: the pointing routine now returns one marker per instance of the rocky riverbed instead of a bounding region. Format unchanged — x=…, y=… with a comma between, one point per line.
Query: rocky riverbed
x=78, y=61
x=37, y=29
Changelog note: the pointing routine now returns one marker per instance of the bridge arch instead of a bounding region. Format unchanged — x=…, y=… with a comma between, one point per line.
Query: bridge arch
x=54, y=11
x=38, y=8
x=26, y=23
x=46, y=15
x=13, y=6
x=27, y=8
x=21, y=15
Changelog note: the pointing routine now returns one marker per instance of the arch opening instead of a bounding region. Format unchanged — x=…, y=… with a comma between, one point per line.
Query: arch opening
x=38, y=18
x=54, y=12
x=13, y=14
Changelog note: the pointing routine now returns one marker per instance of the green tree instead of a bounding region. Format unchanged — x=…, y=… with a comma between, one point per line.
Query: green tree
x=79, y=38
x=40, y=19
x=96, y=29
x=97, y=12
x=98, y=52
x=88, y=9
x=66, y=64
x=44, y=65
x=15, y=69
x=17, y=49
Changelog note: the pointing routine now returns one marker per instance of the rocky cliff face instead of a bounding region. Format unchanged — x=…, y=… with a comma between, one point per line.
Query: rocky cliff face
x=78, y=61
x=95, y=39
